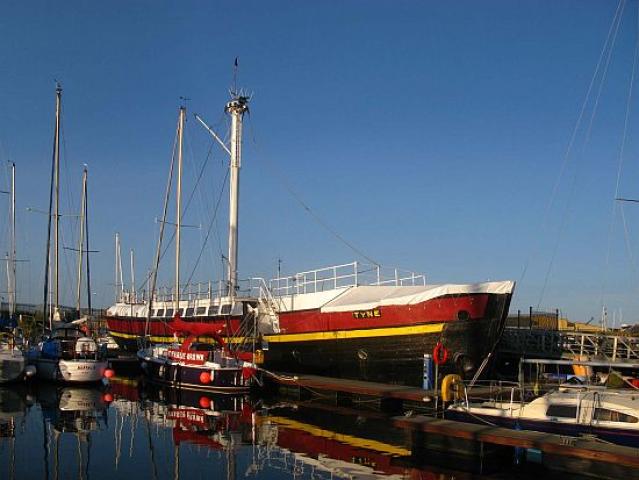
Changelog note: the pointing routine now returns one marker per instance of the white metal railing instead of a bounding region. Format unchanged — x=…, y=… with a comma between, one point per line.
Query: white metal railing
x=613, y=347
x=311, y=281
x=341, y=276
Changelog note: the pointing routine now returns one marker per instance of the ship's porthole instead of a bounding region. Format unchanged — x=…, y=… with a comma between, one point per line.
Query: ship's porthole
x=362, y=354
x=463, y=315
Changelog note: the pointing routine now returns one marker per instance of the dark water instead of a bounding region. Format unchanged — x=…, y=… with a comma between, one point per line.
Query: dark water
x=131, y=430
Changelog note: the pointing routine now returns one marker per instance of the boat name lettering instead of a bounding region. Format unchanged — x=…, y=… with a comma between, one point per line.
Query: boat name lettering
x=188, y=415
x=188, y=356
x=371, y=313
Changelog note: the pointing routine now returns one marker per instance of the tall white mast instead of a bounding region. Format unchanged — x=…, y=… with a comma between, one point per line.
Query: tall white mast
x=13, y=259
x=133, y=294
x=178, y=222
x=119, y=280
x=56, y=214
x=236, y=108
x=81, y=240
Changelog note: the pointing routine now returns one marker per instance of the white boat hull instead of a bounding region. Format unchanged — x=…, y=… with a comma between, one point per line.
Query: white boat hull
x=11, y=366
x=72, y=371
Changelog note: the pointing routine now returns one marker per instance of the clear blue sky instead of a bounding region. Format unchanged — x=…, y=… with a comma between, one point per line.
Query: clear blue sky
x=428, y=134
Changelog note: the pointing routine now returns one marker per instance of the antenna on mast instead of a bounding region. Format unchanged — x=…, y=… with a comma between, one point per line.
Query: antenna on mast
x=234, y=92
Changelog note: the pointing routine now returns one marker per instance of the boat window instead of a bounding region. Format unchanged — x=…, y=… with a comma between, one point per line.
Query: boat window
x=212, y=310
x=200, y=311
x=169, y=312
x=189, y=311
x=226, y=309
x=181, y=312
x=605, y=415
x=562, y=411
x=159, y=312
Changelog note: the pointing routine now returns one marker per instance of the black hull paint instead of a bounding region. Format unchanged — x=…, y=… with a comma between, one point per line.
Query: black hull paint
x=188, y=377
x=395, y=359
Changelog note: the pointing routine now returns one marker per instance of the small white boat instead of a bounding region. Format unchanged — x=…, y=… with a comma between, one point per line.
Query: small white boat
x=69, y=356
x=13, y=365
x=612, y=415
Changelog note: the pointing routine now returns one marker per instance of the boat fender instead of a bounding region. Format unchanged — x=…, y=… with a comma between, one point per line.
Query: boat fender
x=440, y=354
x=452, y=387
x=205, y=377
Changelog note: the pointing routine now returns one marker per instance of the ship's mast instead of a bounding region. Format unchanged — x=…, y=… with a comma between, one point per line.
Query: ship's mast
x=81, y=240
x=13, y=259
x=133, y=292
x=53, y=213
x=56, y=215
x=236, y=108
x=178, y=221
x=119, y=279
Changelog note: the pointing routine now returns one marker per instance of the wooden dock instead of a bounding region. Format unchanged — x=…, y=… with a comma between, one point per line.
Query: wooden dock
x=558, y=451
x=547, y=443
x=392, y=397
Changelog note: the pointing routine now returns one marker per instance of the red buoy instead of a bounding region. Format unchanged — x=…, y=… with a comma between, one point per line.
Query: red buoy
x=205, y=377
x=205, y=402
x=109, y=373
x=440, y=354
x=107, y=397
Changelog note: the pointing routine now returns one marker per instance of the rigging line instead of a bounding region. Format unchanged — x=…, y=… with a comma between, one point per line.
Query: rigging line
x=619, y=170
x=583, y=147
x=212, y=222
x=66, y=168
x=573, y=136
x=188, y=203
x=317, y=218
x=204, y=203
x=204, y=212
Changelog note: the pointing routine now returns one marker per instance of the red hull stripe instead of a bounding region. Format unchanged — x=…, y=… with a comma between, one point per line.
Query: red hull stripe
x=443, y=309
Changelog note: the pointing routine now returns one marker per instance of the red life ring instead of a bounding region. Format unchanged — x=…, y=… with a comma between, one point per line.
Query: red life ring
x=440, y=354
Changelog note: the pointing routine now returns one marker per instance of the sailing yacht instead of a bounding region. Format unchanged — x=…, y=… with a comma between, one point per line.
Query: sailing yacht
x=13, y=365
x=68, y=354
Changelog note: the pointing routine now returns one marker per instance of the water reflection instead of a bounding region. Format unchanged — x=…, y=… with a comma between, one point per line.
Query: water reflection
x=132, y=429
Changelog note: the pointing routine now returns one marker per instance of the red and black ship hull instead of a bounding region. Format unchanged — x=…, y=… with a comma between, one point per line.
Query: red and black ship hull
x=391, y=348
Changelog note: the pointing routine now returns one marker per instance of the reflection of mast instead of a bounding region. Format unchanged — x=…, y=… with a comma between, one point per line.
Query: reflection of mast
x=148, y=431
x=176, y=462
x=12, y=462
x=45, y=447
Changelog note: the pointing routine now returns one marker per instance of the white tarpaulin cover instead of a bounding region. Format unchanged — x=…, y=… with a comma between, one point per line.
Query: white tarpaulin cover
x=367, y=297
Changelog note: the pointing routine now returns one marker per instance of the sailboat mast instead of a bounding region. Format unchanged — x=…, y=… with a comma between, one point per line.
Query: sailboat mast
x=133, y=294
x=86, y=236
x=119, y=280
x=236, y=108
x=12, y=291
x=81, y=242
x=178, y=222
x=46, y=302
x=56, y=186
